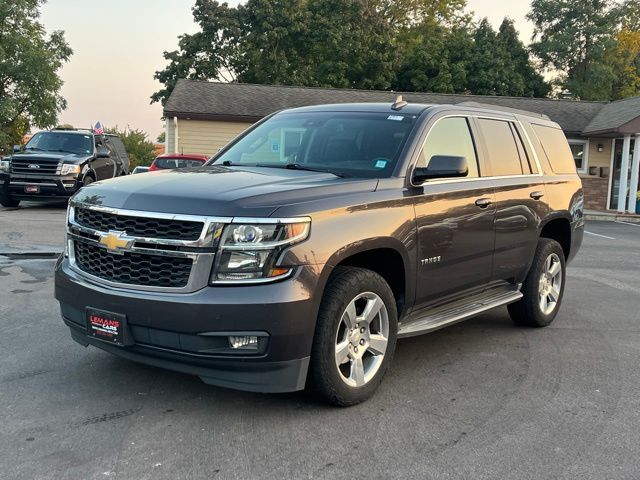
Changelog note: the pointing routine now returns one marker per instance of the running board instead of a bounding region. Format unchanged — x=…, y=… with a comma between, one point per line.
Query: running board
x=441, y=317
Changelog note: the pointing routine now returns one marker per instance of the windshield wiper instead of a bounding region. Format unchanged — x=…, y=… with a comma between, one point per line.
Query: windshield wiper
x=288, y=166
x=297, y=166
x=34, y=148
x=63, y=151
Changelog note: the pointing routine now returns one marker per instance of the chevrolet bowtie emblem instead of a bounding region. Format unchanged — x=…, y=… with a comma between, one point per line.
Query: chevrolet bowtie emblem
x=116, y=242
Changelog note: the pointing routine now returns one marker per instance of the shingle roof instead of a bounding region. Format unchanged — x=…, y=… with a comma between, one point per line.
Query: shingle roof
x=199, y=99
x=615, y=115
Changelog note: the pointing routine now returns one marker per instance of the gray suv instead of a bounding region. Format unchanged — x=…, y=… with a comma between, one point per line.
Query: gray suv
x=299, y=254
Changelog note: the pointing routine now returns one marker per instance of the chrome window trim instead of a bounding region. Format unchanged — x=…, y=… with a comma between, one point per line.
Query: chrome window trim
x=533, y=150
x=479, y=178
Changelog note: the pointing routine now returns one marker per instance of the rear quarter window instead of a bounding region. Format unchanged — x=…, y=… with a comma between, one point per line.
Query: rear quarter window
x=556, y=148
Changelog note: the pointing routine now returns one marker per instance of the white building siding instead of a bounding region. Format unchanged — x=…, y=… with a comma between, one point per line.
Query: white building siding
x=202, y=136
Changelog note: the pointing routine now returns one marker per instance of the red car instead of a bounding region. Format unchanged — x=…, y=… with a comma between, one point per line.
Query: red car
x=177, y=160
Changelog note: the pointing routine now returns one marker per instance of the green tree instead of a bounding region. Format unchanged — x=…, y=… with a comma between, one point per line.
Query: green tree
x=572, y=37
x=161, y=138
x=209, y=54
x=333, y=43
x=437, y=60
x=29, y=64
x=141, y=151
x=522, y=75
x=624, y=60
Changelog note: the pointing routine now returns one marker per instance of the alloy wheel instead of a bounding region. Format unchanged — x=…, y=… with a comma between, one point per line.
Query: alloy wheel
x=550, y=284
x=362, y=339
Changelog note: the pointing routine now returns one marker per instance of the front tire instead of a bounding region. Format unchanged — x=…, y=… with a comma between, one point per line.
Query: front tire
x=87, y=180
x=355, y=336
x=543, y=288
x=8, y=202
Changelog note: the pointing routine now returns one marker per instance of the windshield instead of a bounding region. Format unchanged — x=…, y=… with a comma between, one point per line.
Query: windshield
x=178, y=163
x=361, y=145
x=61, y=142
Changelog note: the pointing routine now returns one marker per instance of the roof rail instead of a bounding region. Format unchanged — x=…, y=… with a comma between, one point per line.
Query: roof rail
x=72, y=129
x=399, y=103
x=500, y=108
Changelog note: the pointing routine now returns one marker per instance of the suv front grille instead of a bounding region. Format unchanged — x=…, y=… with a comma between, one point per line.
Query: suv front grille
x=40, y=167
x=132, y=268
x=139, y=226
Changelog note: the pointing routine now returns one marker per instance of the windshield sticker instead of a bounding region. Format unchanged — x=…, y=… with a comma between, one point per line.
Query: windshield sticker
x=381, y=163
x=275, y=146
x=397, y=118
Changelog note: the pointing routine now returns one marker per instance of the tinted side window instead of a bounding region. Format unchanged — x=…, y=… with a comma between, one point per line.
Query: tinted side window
x=527, y=166
x=556, y=148
x=504, y=158
x=450, y=136
x=118, y=146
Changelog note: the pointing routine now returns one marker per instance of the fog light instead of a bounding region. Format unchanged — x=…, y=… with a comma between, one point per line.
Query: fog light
x=246, y=342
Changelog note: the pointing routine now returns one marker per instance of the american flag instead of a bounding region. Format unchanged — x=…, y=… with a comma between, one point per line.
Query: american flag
x=98, y=129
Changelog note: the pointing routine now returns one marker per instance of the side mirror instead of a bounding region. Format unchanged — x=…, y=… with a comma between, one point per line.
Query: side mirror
x=442, y=166
x=103, y=153
x=17, y=148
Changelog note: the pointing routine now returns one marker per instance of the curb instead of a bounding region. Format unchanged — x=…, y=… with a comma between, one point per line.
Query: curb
x=610, y=217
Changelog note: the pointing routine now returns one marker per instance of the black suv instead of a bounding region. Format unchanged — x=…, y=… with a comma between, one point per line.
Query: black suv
x=300, y=253
x=53, y=165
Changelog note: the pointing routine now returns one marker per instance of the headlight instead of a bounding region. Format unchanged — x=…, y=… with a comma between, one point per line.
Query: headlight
x=5, y=165
x=68, y=168
x=248, y=252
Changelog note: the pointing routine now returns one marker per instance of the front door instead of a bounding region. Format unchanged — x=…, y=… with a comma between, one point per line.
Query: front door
x=455, y=219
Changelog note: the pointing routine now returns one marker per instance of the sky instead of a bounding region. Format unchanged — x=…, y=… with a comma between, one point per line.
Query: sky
x=118, y=46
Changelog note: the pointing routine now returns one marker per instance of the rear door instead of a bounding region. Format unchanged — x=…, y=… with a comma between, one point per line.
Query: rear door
x=519, y=195
x=455, y=218
x=123, y=157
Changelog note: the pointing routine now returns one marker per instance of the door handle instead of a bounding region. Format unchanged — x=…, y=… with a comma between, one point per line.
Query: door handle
x=483, y=202
x=537, y=195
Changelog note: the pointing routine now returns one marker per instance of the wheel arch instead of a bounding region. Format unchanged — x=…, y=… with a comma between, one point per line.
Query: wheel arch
x=558, y=228
x=386, y=256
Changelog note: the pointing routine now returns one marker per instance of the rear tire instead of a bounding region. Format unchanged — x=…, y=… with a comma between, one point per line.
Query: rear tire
x=543, y=288
x=355, y=337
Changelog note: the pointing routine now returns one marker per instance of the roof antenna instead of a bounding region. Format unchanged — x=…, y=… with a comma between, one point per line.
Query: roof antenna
x=399, y=103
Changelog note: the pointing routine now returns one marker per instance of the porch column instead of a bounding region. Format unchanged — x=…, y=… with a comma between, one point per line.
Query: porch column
x=624, y=173
x=175, y=136
x=635, y=170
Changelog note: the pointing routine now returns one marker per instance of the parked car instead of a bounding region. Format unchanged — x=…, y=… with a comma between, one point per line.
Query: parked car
x=55, y=164
x=140, y=169
x=301, y=252
x=178, y=160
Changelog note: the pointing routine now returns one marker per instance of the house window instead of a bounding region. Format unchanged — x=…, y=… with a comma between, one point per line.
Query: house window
x=580, y=152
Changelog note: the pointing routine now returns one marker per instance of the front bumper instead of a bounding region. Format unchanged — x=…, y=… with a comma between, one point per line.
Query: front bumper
x=51, y=187
x=167, y=329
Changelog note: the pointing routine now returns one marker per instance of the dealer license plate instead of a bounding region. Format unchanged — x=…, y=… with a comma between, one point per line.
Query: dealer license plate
x=106, y=326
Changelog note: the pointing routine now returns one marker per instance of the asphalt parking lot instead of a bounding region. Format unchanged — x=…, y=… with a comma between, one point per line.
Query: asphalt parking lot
x=481, y=399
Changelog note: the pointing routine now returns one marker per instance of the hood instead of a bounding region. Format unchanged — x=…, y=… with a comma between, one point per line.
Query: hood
x=53, y=157
x=219, y=191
